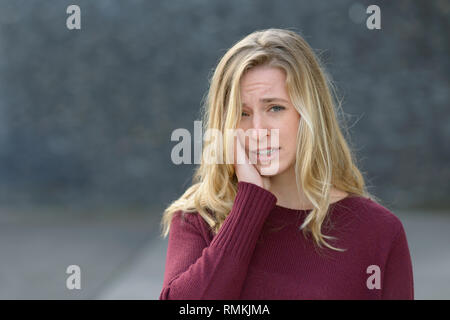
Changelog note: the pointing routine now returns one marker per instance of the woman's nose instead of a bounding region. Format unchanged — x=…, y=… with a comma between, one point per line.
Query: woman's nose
x=260, y=127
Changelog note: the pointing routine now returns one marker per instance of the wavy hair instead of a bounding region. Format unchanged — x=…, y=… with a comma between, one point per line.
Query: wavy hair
x=323, y=158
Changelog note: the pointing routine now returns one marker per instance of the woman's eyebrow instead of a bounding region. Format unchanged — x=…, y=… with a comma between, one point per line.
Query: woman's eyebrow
x=269, y=100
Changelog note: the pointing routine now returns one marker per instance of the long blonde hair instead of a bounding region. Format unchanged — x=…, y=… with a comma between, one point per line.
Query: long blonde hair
x=323, y=157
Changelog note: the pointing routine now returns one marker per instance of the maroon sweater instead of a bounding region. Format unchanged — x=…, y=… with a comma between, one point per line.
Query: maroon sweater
x=260, y=253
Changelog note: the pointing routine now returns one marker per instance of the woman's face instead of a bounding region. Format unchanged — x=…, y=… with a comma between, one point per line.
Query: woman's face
x=266, y=105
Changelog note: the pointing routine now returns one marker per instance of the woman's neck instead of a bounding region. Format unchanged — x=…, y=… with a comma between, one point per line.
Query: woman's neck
x=284, y=187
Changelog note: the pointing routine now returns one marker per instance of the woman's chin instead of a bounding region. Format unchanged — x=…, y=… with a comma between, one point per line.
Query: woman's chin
x=268, y=169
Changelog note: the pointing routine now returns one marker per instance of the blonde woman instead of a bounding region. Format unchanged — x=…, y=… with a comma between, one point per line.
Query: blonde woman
x=235, y=233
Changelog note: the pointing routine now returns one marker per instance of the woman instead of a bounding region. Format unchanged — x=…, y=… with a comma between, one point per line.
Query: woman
x=234, y=234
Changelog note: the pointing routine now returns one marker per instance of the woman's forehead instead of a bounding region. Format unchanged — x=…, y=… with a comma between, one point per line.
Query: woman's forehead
x=265, y=84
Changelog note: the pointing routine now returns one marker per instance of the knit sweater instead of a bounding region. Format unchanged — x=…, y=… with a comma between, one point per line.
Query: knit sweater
x=260, y=253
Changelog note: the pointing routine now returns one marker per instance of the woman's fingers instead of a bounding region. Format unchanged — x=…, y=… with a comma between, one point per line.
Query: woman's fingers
x=240, y=150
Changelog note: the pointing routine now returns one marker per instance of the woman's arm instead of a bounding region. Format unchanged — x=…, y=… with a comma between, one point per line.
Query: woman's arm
x=398, y=283
x=196, y=271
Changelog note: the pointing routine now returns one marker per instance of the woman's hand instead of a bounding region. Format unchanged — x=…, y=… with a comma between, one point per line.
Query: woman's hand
x=246, y=171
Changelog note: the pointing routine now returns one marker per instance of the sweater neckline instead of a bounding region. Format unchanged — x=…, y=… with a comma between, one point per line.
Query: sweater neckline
x=291, y=210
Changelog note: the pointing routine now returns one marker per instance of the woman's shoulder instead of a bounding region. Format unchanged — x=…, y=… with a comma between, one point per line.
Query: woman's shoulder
x=371, y=215
x=184, y=217
x=191, y=221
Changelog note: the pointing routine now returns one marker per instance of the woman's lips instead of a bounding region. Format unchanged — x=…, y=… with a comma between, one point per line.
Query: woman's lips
x=266, y=157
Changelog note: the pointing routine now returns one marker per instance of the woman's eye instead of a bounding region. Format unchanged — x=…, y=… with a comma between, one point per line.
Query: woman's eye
x=277, y=108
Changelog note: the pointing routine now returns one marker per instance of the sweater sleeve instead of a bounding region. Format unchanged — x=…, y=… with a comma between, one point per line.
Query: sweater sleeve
x=195, y=270
x=398, y=283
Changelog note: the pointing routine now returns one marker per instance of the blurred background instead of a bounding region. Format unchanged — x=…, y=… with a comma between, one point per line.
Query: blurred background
x=86, y=118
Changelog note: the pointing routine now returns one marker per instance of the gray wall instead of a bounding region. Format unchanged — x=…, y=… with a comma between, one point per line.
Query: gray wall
x=86, y=115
